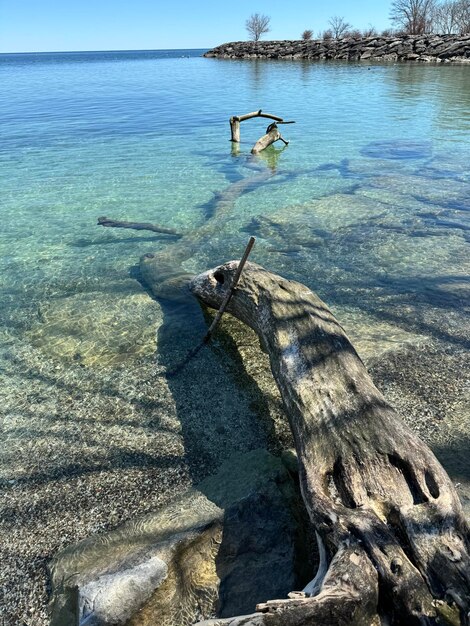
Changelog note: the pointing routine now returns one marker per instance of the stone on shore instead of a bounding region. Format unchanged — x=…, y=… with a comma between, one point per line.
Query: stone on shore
x=422, y=48
x=231, y=542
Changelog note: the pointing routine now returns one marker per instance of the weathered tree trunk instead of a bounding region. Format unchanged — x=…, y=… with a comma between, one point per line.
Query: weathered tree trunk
x=382, y=504
x=269, y=138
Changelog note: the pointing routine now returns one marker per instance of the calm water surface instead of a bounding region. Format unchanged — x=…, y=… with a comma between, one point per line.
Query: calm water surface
x=369, y=204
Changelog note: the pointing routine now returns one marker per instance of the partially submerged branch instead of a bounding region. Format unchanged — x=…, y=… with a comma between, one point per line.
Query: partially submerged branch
x=272, y=135
x=106, y=221
x=236, y=119
x=163, y=271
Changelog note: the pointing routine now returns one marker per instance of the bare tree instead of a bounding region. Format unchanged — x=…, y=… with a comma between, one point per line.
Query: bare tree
x=463, y=16
x=257, y=25
x=327, y=35
x=307, y=35
x=413, y=16
x=339, y=26
x=370, y=31
x=445, y=17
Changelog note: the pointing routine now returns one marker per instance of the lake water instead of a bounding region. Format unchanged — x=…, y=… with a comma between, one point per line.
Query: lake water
x=369, y=205
x=370, y=195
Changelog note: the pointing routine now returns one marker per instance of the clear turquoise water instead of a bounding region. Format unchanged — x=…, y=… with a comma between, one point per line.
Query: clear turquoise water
x=370, y=199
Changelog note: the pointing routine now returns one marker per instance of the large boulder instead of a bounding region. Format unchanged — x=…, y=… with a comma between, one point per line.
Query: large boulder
x=217, y=551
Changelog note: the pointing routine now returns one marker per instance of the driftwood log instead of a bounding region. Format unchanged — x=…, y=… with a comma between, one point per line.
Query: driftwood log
x=272, y=135
x=387, y=516
x=272, y=132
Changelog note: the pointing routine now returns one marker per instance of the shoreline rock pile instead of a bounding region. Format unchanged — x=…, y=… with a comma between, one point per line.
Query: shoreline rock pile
x=424, y=48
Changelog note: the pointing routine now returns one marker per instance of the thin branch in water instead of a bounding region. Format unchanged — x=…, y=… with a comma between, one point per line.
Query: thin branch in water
x=192, y=353
x=106, y=221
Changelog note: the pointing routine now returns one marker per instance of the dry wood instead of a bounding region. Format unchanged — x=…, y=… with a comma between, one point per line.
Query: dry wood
x=236, y=119
x=266, y=140
x=249, y=116
x=229, y=294
x=388, y=514
x=272, y=135
x=106, y=221
x=235, y=129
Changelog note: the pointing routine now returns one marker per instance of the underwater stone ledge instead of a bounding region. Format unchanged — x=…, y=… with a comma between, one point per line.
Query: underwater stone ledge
x=423, y=48
x=240, y=537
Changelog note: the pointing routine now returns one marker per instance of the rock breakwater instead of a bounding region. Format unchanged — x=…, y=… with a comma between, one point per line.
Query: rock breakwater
x=424, y=48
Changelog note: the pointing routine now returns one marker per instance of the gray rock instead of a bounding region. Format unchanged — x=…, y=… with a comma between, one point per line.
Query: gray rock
x=113, y=598
x=449, y=48
x=218, y=550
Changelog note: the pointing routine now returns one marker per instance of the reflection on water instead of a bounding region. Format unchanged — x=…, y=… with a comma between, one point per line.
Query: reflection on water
x=369, y=206
x=429, y=92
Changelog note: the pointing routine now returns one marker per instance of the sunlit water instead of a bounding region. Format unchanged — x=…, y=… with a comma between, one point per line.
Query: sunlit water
x=369, y=204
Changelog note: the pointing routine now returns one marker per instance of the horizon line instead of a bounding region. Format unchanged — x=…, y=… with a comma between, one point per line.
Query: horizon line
x=112, y=50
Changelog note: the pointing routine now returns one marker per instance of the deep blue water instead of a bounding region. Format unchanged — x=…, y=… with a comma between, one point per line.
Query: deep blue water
x=28, y=58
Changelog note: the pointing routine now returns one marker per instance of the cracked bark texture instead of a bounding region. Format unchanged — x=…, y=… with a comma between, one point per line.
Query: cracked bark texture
x=392, y=523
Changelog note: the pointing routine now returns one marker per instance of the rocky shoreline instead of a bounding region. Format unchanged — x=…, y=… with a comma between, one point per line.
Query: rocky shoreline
x=423, y=48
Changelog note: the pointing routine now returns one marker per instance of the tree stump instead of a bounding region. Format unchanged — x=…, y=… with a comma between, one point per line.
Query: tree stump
x=384, y=509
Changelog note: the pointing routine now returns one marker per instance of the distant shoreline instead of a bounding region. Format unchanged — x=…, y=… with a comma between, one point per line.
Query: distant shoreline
x=421, y=48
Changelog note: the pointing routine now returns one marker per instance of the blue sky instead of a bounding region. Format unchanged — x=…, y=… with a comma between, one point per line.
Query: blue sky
x=53, y=25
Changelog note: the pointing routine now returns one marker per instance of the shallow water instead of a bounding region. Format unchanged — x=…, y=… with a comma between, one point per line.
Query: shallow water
x=368, y=205
x=372, y=191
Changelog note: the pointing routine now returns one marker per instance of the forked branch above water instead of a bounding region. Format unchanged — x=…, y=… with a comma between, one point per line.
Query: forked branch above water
x=236, y=119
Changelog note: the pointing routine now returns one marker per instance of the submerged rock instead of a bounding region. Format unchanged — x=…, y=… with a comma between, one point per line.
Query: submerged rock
x=96, y=329
x=398, y=149
x=224, y=546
